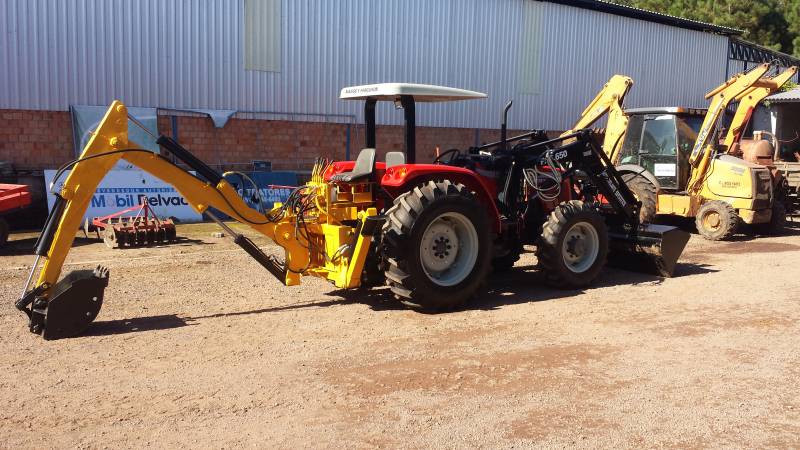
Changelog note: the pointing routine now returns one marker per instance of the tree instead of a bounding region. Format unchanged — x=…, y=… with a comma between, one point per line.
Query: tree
x=772, y=23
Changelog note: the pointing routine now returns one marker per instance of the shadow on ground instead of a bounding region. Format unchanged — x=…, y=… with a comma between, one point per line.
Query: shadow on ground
x=25, y=246
x=522, y=284
x=135, y=325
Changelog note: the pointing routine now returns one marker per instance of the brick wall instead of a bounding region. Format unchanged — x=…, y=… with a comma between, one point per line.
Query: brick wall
x=35, y=139
x=295, y=145
x=43, y=139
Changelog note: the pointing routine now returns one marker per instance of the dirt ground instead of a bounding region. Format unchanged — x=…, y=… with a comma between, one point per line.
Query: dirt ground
x=198, y=346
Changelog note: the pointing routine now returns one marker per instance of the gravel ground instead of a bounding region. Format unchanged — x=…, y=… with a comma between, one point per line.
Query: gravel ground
x=198, y=346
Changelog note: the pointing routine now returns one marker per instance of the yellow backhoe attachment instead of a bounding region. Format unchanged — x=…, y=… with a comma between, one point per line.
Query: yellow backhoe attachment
x=310, y=226
x=749, y=99
x=607, y=101
x=721, y=96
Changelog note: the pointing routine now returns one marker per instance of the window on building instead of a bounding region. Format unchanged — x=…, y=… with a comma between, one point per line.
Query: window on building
x=262, y=35
x=530, y=49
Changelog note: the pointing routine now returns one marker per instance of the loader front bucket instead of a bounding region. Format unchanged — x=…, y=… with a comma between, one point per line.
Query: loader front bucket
x=73, y=304
x=652, y=249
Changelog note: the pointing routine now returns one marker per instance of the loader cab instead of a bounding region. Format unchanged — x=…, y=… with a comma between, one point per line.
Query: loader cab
x=404, y=96
x=661, y=140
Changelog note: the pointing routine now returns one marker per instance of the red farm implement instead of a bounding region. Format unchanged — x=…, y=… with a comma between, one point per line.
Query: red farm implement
x=133, y=230
x=13, y=197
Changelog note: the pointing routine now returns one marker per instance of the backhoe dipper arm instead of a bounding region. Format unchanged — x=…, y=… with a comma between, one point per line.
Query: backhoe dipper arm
x=109, y=144
x=749, y=99
x=607, y=101
x=721, y=96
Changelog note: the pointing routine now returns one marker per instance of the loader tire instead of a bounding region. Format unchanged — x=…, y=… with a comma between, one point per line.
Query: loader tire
x=717, y=220
x=645, y=192
x=777, y=223
x=437, y=246
x=3, y=232
x=573, y=247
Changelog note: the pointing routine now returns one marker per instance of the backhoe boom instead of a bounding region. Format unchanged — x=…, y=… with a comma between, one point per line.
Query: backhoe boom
x=82, y=290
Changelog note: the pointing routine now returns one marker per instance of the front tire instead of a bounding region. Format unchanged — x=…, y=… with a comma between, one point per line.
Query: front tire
x=645, y=192
x=717, y=220
x=437, y=242
x=573, y=247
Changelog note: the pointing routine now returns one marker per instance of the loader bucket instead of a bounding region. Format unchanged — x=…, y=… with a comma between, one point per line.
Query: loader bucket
x=74, y=303
x=653, y=249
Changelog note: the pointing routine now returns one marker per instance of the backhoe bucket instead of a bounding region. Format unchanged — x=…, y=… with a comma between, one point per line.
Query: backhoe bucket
x=74, y=303
x=653, y=249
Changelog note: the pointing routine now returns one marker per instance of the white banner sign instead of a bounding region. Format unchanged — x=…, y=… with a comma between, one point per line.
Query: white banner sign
x=121, y=189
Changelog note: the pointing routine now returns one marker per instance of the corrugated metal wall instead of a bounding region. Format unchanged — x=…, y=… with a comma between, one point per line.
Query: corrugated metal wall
x=188, y=54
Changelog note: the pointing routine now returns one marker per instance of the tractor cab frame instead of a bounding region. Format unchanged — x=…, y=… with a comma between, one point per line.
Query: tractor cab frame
x=405, y=96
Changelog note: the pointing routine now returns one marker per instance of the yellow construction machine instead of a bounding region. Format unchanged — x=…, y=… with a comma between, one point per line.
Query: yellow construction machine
x=431, y=232
x=674, y=162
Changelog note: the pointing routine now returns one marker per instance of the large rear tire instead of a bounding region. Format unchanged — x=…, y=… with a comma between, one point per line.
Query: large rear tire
x=573, y=247
x=717, y=220
x=4, y=230
x=437, y=243
x=645, y=192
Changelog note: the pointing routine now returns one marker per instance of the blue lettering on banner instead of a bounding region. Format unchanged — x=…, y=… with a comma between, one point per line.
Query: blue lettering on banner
x=98, y=201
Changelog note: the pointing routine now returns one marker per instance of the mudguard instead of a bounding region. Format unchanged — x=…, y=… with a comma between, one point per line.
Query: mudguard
x=400, y=178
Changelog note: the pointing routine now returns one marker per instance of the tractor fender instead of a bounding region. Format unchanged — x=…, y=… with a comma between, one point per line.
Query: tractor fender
x=639, y=170
x=401, y=178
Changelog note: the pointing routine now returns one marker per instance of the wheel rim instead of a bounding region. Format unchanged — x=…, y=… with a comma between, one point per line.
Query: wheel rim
x=712, y=221
x=449, y=249
x=580, y=247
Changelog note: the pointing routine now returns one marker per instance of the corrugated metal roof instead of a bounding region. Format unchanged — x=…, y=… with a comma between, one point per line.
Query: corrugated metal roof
x=791, y=96
x=650, y=16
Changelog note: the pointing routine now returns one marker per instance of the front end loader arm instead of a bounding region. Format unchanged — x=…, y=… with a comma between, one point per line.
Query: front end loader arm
x=721, y=96
x=65, y=308
x=607, y=101
x=749, y=99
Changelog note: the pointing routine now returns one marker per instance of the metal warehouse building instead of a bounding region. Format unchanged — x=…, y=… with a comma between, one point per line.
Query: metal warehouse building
x=269, y=71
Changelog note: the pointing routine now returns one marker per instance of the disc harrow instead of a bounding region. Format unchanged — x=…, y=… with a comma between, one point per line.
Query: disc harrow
x=141, y=229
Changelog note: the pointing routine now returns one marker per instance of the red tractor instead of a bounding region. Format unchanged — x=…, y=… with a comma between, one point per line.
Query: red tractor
x=449, y=222
x=431, y=231
x=13, y=197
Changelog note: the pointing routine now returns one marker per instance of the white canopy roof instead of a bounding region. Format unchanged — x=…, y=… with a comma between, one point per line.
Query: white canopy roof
x=420, y=92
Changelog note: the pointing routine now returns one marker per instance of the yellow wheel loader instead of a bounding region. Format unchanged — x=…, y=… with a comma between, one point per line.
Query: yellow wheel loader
x=672, y=158
x=431, y=232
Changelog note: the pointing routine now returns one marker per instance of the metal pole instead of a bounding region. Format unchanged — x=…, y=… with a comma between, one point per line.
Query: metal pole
x=30, y=276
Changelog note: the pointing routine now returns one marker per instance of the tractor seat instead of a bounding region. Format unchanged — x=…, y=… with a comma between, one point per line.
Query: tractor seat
x=395, y=159
x=364, y=167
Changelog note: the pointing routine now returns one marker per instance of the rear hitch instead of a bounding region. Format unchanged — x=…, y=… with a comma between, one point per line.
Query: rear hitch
x=73, y=303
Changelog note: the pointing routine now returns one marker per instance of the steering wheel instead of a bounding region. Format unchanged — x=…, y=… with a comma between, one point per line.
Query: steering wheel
x=452, y=152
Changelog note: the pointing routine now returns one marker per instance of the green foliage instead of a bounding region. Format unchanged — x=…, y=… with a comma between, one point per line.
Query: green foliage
x=772, y=23
x=788, y=86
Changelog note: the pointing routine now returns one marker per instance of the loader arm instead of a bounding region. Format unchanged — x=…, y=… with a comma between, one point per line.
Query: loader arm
x=62, y=308
x=749, y=99
x=607, y=101
x=705, y=145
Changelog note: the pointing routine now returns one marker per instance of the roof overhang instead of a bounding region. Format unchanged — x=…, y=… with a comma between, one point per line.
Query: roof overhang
x=666, y=110
x=790, y=96
x=649, y=16
x=420, y=92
